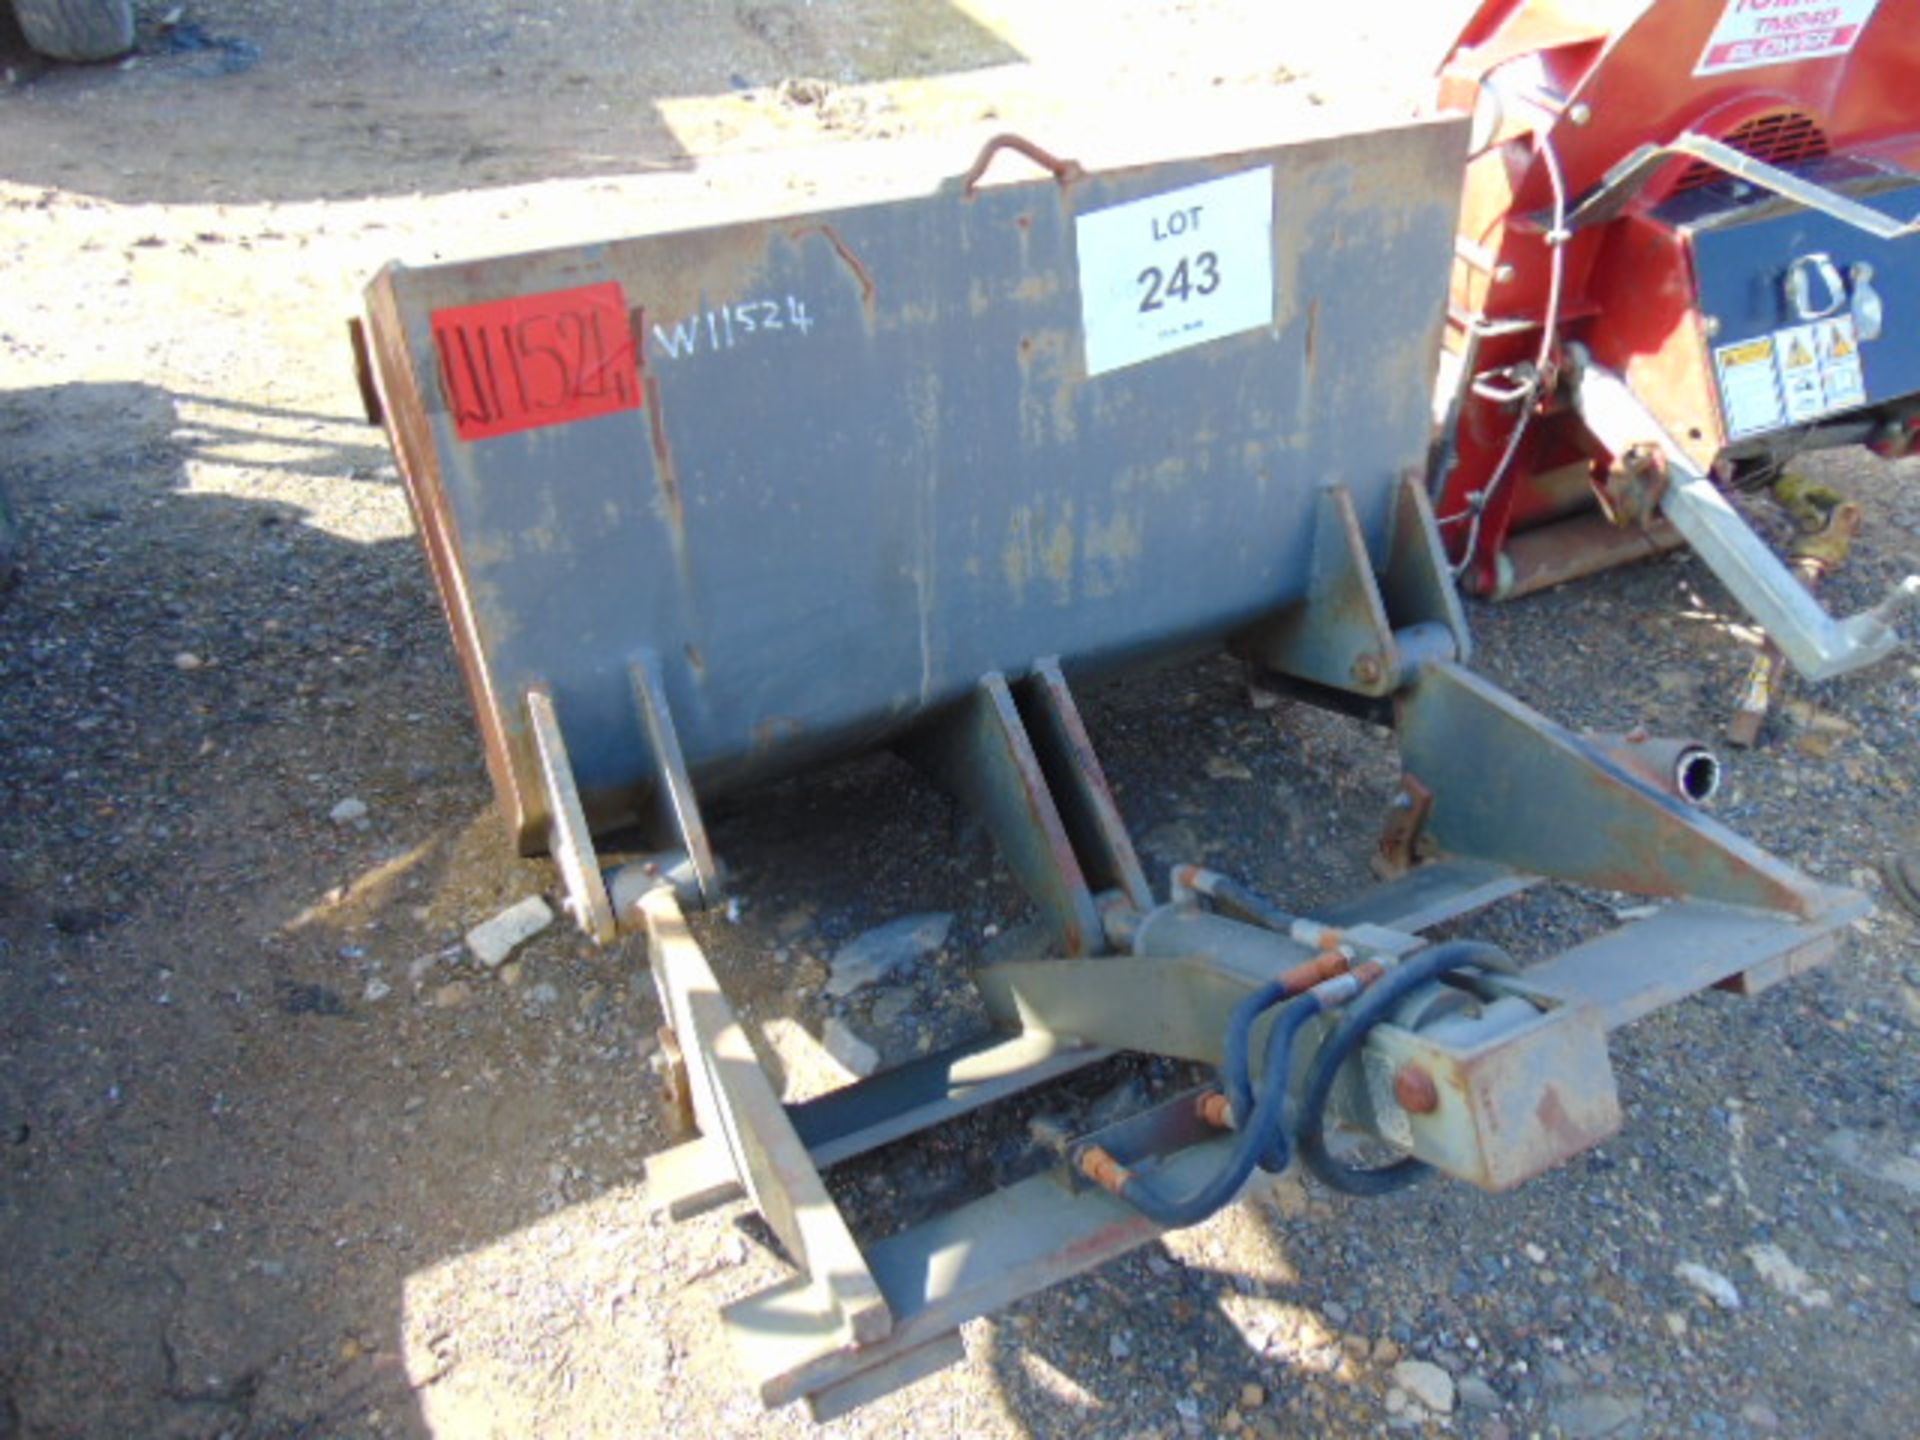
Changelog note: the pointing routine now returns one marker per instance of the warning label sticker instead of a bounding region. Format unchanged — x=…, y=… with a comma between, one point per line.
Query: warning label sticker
x=1791, y=377
x=1749, y=391
x=1799, y=374
x=1770, y=32
x=1841, y=378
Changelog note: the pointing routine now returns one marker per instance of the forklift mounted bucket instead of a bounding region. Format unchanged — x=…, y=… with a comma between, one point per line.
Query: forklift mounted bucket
x=715, y=505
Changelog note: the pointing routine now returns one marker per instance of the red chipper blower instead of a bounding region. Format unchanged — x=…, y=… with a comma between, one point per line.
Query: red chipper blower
x=1689, y=251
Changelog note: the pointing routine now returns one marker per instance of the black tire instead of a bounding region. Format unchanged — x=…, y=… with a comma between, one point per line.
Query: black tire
x=77, y=29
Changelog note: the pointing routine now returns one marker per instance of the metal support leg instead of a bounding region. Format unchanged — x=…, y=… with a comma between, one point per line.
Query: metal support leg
x=980, y=751
x=569, y=840
x=1078, y=784
x=680, y=809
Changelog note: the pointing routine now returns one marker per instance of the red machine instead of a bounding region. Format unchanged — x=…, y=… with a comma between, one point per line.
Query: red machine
x=1687, y=253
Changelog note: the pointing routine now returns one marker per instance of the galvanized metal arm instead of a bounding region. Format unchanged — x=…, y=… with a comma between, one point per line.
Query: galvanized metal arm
x=1626, y=180
x=1819, y=646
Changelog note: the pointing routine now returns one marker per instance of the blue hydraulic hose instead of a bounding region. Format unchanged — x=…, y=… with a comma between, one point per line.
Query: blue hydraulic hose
x=1259, y=1139
x=1366, y=1012
x=1235, y=1078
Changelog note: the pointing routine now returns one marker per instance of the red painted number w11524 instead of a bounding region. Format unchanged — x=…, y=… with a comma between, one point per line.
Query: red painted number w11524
x=534, y=360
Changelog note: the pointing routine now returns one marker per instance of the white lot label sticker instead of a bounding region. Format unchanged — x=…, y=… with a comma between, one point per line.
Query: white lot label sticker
x=1769, y=32
x=1840, y=375
x=1176, y=270
x=1799, y=374
x=1749, y=392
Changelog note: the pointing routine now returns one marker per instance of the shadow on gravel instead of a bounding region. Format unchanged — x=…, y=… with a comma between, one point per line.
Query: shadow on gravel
x=219, y=1157
x=275, y=1159
x=363, y=100
x=1157, y=1344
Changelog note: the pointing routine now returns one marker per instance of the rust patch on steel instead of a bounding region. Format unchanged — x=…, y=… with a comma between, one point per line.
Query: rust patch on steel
x=1040, y=547
x=1413, y=1087
x=1313, y=336
x=1398, y=850
x=1308, y=973
x=774, y=731
x=1577, y=547
x=1103, y=1170
x=1104, y=1243
x=664, y=470
x=869, y=293
x=693, y=272
x=1215, y=1109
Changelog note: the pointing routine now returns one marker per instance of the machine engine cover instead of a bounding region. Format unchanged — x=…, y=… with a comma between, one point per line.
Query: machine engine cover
x=1781, y=363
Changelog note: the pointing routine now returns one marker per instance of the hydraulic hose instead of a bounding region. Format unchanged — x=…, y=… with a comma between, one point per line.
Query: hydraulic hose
x=1259, y=1139
x=1235, y=1078
x=1236, y=1081
x=1231, y=898
x=1366, y=1012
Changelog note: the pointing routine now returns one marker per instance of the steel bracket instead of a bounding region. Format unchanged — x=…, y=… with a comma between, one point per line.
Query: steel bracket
x=1364, y=628
x=604, y=912
x=1360, y=629
x=1511, y=786
x=1019, y=757
x=1506, y=1106
x=1417, y=584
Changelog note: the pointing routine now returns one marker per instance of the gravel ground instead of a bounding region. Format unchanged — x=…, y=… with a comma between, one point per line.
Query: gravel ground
x=279, y=1160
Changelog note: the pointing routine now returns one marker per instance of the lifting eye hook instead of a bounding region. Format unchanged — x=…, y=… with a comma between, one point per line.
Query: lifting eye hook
x=1064, y=171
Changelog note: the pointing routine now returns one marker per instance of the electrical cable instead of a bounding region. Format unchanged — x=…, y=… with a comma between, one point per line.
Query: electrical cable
x=1557, y=238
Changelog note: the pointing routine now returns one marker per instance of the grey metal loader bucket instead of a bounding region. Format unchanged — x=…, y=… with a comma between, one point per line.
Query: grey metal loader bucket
x=716, y=505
